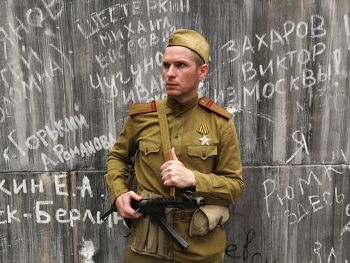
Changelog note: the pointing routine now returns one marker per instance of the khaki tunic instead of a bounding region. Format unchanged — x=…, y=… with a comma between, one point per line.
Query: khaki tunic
x=216, y=166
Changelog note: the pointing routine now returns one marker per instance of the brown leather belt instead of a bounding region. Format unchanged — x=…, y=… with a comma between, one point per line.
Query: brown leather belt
x=183, y=214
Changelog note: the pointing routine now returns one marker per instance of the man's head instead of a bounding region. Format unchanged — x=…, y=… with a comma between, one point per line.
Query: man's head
x=185, y=64
x=193, y=40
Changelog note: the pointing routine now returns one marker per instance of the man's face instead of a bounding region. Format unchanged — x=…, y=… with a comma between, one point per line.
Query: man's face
x=181, y=74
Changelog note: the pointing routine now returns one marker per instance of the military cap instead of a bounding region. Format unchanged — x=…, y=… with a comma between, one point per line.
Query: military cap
x=190, y=39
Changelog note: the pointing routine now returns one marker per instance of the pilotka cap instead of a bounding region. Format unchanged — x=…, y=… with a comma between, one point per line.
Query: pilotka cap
x=192, y=40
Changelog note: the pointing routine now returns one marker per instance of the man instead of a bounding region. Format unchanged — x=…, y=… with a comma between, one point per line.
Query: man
x=205, y=158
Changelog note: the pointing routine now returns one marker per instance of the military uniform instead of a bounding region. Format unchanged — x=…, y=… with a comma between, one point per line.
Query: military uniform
x=204, y=138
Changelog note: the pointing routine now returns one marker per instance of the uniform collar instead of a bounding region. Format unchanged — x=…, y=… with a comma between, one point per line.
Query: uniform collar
x=179, y=108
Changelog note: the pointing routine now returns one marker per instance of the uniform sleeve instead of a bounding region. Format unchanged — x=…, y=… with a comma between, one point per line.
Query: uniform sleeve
x=118, y=161
x=225, y=184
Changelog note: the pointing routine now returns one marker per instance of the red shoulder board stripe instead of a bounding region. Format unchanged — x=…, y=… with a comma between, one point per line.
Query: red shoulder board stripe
x=141, y=108
x=210, y=105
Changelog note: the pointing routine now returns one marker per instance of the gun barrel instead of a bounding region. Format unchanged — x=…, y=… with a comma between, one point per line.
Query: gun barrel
x=155, y=208
x=179, y=241
x=110, y=211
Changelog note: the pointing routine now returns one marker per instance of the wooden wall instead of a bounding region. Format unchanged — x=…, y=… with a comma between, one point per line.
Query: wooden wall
x=69, y=69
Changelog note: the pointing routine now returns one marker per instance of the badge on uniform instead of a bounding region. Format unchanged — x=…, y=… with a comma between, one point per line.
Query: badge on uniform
x=204, y=130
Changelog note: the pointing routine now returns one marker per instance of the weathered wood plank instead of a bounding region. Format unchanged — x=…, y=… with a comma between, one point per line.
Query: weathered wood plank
x=55, y=217
x=292, y=214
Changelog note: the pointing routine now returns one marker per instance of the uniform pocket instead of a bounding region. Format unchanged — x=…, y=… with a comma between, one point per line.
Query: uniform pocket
x=148, y=238
x=202, y=152
x=147, y=147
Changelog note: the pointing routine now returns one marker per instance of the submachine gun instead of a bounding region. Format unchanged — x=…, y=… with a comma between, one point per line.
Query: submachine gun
x=155, y=209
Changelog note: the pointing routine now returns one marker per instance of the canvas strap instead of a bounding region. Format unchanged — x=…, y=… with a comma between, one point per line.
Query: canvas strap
x=164, y=134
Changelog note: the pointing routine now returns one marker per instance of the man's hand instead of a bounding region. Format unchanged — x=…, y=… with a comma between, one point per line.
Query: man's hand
x=123, y=205
x=174, y=173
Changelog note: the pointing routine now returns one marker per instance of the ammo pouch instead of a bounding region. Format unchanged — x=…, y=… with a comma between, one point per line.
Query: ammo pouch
x=206, y=218
x=148, y=238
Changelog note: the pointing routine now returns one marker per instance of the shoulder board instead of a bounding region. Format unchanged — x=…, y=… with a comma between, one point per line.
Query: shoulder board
x=141, y=108
x=210, y=105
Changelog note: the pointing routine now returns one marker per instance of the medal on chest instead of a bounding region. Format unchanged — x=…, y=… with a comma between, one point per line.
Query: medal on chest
x=204, y=130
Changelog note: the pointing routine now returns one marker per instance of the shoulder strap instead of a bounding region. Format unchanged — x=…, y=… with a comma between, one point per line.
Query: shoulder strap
x=141, y=108
x=164, y=134
x=210, y=105
x=164, y=130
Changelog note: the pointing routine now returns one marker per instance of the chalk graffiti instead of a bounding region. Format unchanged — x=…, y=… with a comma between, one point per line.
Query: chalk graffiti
x=42, y=211
x=139, y=92
x=347, y=29
x=118, y=85
x=27, y=72
x=33, y=18
x=40, y=72
x=42, y=214
x=299, y=138
x=119, y=12
x=321, y=77
x=244, y=253
x=314, y=202
x=276, y=39
x=331, y=255
x=118, y=47
x=133, y=69
x=346, y=228
x=301, y=56
x=61, y=154
x=48, y=136
x=32, y=186
x=43, y=136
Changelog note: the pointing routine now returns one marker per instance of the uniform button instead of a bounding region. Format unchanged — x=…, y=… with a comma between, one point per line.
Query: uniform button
x=176, y=136
x=204, y=154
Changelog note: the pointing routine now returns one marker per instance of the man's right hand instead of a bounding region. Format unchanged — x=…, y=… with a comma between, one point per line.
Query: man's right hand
x=123, y=204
